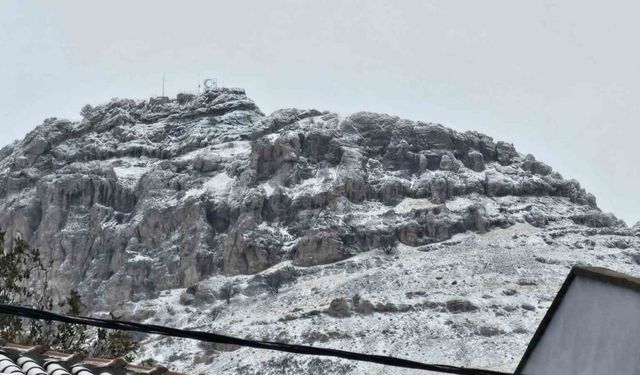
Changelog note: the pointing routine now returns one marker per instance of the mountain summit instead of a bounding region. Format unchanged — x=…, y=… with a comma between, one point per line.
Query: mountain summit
x=452, y=242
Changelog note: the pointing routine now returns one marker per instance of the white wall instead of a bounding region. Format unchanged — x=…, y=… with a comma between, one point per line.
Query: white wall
x=595, y=331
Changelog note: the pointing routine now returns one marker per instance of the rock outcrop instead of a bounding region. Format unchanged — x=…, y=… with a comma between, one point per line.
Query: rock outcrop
x=151, y=208
x=142, y=196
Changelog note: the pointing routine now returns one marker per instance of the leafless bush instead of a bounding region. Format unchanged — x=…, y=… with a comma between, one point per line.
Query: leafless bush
x=86, y=111
x=227, y=291
x=215, y=313
x=277, y=279
x=388, y=246
x=355, y=300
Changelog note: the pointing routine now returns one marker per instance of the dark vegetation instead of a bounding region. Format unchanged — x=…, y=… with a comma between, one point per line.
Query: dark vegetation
x=228, y=291
x=275, y=280
x=388, y=246
x=24, y=281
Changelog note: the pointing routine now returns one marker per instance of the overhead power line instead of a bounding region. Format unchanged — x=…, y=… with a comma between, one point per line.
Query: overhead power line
x=222, y=339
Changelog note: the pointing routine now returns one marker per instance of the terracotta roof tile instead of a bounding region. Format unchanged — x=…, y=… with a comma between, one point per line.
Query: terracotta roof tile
x=18, y=359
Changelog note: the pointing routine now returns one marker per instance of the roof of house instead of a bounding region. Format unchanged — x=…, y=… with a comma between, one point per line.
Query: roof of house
x=37, y=360
x=600, y=274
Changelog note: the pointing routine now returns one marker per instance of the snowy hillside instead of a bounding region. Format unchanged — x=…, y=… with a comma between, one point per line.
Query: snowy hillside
x=396, y=237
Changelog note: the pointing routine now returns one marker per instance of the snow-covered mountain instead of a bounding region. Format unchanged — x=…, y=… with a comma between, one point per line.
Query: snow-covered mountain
x=396, y=237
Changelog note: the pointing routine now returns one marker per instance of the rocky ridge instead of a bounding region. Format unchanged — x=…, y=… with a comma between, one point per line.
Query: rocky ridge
x=141, y=199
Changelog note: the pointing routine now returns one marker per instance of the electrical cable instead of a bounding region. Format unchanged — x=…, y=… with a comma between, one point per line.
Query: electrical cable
x=222, y=339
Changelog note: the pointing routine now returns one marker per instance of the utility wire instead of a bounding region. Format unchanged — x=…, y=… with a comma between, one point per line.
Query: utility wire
x=222, y=339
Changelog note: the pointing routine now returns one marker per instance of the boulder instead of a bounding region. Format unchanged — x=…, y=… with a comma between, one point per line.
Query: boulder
x=439, y=189
x=475, y=161
x=536, y=217
x=536, y=167
x=392, y=192
x=488, y=331
x=498, y=185
x=505, y=153
x=459, y=305
x=448, y=162
x=339, y=308
x=528, y=307
x=432, y=137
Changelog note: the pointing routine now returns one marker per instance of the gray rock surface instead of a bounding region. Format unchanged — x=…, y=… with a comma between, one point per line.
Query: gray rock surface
x=142, y=196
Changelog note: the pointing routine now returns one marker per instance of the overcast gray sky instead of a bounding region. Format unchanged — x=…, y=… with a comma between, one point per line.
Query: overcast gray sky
x=560, y=80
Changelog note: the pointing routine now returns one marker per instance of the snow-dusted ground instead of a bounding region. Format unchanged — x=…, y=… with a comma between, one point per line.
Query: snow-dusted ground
x=511, y=275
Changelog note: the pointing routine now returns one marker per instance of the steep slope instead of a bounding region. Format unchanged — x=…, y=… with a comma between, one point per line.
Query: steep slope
x=143, y=198
x=473, y=300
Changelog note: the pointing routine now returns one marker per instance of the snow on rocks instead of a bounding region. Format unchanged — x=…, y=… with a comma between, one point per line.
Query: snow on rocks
x=424, y=234
x=429, y=306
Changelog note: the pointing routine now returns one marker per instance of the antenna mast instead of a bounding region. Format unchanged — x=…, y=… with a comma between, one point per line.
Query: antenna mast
x=162, y=84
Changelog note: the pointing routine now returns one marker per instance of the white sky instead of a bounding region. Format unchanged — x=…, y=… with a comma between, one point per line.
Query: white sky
x=558, y=79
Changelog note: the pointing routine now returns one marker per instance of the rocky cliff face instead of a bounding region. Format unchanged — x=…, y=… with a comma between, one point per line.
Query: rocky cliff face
x=142, y=197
